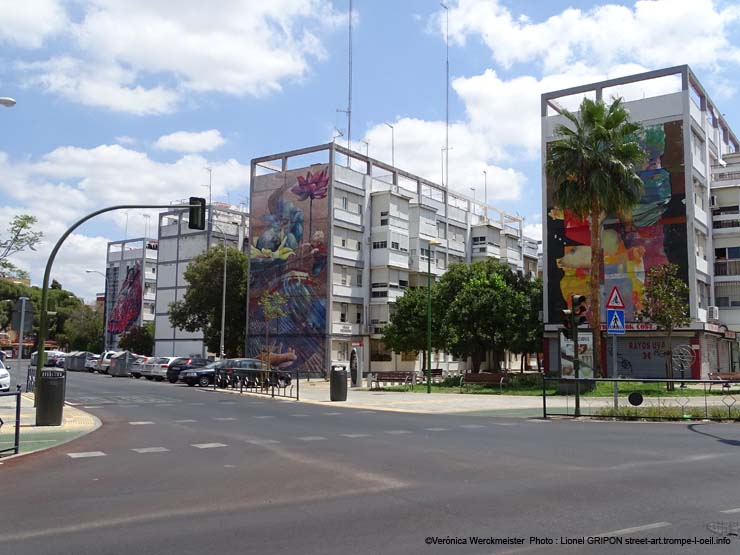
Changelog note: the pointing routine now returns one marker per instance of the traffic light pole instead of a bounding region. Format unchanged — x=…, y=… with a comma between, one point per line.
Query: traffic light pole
x=576, y=361
x=44, y=317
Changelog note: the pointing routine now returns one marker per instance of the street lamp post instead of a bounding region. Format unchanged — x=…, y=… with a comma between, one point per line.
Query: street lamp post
x=106, y=312
x=7, y=101
x=485, y=192
x=432, y=243
x=393, y=144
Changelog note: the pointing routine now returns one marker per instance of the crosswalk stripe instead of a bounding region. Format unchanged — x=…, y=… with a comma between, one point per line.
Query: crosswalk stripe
x=312, y=438
x=332, y=413
x=208, y=445
x=263, y=441
x=141, y=423
x=298, y=415
x=472, y=426
x=86, y=454
x=436, y=429
x=397, y=432
x=264, y=417
x=353, y=436
x=224, y=418
x=151, y=450
x=186, y=421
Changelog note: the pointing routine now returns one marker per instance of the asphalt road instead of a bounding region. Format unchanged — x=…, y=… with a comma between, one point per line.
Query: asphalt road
x=181, y=470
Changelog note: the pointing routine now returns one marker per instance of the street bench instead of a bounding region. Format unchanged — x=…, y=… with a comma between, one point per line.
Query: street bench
x=724, y=378
x=436, y=373
x=484, y=378
x=403, y=378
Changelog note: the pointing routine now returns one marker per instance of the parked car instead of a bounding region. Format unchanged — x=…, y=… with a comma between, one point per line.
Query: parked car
x=181, y=364
x=51, y=358
x=156, y=368
x=104, y=362
x=4, y=378
x=59, y=361
x=201, y=376
x=91, y=362
x=138, y=366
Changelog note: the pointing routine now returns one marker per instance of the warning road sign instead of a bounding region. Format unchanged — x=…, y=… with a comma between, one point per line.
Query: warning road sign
x=615, y=321
x=615, y=299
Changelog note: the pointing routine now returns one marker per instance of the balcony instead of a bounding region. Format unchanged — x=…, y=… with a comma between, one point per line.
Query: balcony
x=347, y=254
x=340, y=290
x=457, y=246
x=726, y=269
x=346, y=328
x=726, y=224
x=489, y=251
x=347, y=216
x=700, y=214
x=702, y=265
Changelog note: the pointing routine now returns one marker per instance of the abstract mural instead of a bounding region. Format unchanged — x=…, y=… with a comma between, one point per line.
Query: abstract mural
x=289, y=254
x=126, y=311
x=652, y=233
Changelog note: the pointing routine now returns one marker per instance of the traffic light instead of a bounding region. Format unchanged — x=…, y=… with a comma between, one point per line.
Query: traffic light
x=579, y=307
x=567, y=315
x=197, y=217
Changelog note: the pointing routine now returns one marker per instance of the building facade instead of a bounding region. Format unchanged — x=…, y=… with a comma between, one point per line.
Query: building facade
x=178, y=246
x=343, y=236
x=687, y=142
x=131, y=267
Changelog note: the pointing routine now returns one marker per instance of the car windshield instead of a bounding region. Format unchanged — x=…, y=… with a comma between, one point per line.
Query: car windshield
x=211, y=366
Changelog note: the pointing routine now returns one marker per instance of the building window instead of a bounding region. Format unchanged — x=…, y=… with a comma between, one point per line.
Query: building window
x=359, y=278
x=395, y=245
x=344, y=203
x=380, y=244
x=379, y=352
x=383, y=221
x=403, y=283
x=479, y=240
x=379, y=294
x=343, y=351
x=343, y=312
x=358, y=315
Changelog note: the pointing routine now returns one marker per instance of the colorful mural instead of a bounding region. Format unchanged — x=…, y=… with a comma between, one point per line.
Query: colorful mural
x=126, y=311
x=289, y=254
x=652, y=233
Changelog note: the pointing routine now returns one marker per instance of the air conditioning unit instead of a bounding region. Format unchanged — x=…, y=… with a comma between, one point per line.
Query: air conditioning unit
x=713, y=313
x=713, y=201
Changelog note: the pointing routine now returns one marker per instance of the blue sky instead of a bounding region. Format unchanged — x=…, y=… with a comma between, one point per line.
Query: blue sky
x=127, y=101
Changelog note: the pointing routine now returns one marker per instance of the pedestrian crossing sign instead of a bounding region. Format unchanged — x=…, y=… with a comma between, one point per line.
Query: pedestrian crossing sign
x=614, y=321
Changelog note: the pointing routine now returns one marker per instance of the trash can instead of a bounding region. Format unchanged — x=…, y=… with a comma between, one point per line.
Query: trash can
x=50, y=396
x=338, y=383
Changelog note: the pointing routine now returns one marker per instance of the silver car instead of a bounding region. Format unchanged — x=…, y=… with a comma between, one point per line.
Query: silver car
x=156, y=368
x=4, y=378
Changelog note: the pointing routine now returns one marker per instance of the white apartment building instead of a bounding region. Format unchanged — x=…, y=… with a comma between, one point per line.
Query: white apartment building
x=130, y=294
x=380, y=227
x=178, y=246
x=687, y=216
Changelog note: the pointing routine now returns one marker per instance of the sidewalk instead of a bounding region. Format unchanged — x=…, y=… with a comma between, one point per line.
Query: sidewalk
x=75, y=423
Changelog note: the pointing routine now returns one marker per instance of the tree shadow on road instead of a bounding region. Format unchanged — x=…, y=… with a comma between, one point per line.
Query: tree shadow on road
x=731, y=442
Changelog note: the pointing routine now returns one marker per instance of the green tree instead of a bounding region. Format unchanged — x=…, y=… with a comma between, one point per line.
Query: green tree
x=666, y=304
x=200, y=309
x=527, y=325
x=407, y=330
x=592, y=168
x=83, y=329
x=139, y=340
x=273, y=307
x=21, y=236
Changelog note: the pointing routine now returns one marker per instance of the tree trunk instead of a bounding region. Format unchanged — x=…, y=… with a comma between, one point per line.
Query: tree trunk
x=594, y=281
x=669, y=363
x=475, y=360
x=423, y=361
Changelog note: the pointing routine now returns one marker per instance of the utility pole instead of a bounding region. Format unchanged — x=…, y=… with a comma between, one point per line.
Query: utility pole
x=210, y=207
x=447, y=94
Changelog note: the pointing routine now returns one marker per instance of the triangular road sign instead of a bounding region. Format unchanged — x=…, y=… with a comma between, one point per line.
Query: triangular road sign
x=615, y=299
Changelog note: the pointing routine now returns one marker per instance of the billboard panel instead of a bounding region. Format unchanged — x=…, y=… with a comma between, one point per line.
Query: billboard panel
x=652, y=233
x=127, y=306
x=289, y=254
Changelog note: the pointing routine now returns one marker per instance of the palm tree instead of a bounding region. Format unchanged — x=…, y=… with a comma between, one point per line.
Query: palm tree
x=592, y=169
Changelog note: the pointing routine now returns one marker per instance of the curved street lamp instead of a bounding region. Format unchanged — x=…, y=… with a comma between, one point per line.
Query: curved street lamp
x=7, y=101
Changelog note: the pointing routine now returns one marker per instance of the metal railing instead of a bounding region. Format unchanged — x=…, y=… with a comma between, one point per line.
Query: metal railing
x=727, y=268
x=17, y=433
x=275, y=383
x=641, y=399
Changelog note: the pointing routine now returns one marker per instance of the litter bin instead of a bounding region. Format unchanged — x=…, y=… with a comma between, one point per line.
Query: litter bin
x=338, y=383
x=50, y=397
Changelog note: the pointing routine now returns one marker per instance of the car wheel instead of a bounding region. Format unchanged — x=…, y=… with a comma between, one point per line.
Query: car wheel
x=191, y=384
x=203, y=381
x=137, y=376
x=159, y=378
x=172, y=380
x=150, y=378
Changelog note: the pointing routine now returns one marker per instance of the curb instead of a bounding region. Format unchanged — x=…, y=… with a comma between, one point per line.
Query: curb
x=98, y=424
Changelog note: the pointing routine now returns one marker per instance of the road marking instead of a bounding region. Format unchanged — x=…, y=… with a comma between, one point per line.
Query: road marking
x=127, y=406
x=86, y=454
x=141, y=422
x=228, y=402
x=224, y=418
x=91, y=407
x=299, y=415
x=397, y=432
x=263, y=417
x=263, y=441
x=730, y=511
x=436, y=429
x=186, y=421
x=472, y=426
x=229, y=466
x=208, y=445
x=151, y=450
x=368, y=412
x=504, y=424
x=353, y=436
x=634, y=529
x=311, y=438
x=196, y=404
x=165, y=405
x=332, y=413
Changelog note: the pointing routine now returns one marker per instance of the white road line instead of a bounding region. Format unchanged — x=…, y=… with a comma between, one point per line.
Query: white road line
x=263, y=417
x=196, y=404
x=91, y=407
x=208, y=445
x=164, y=405
x=472, y=426
x=436, y=429
x=634, y=529
x=186, y=421
x=228, y=402
x=353, y=436
x=86, y=454
x=225, y=418
x=229, y=466
x=332, y=413
x=397, y=432
x=151, y=450
x=504, y=424
x=127, y=406
x=263, y=441
x=368, y=412
x=141, y=422
x=730, y=511
x=298, y=415
x=312, y=438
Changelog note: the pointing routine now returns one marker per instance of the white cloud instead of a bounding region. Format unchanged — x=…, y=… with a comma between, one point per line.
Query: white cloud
x=533, y=231
x=418, y=149
x=28, y=24
x=74, y=181
x=654, y=33
x=188, y=141
x=245, y=47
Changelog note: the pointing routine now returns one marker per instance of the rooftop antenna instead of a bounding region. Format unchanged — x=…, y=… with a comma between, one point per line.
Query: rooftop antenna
x=348, y=110
x=447, y=95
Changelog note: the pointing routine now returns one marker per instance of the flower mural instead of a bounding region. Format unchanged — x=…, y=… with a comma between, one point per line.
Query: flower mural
x=312, y=186
x=126, y=311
